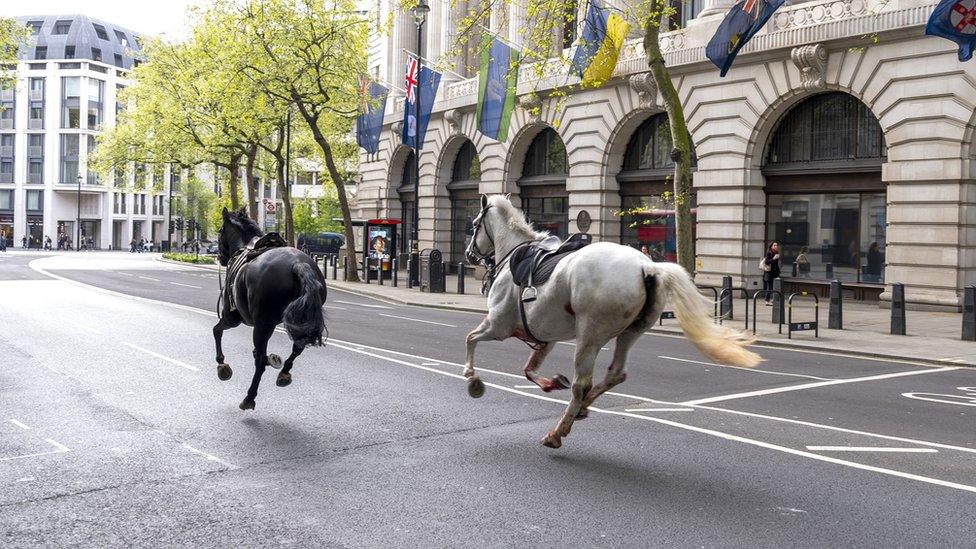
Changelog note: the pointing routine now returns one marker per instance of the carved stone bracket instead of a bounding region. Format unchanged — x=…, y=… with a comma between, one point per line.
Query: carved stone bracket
x=531, y=104
x=643, y=83
x=397, y=128
x=812, y=62
x=454, y=119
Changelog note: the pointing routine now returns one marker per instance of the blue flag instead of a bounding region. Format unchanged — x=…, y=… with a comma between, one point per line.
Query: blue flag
x=370, y=122
x=497, y=85
x=427, y=84
x=956, y=21
x=742, y=22
x=594, y=32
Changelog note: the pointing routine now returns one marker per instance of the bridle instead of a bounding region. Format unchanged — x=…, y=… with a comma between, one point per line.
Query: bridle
x=477, y=255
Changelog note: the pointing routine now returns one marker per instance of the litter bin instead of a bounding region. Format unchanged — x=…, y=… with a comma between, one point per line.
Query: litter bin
x=431, y=271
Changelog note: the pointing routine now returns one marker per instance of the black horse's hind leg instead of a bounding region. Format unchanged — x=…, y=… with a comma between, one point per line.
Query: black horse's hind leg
x=224, y=371
x=262, y=333
x=284, y=377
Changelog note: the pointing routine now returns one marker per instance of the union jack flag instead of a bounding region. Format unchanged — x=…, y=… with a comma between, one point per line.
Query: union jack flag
x=410, y=80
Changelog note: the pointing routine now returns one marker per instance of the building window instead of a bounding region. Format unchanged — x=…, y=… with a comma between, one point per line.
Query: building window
x=465, y=201
x=8, y=109
x=140, y=175
x=92, y=174
x=96, y=54
x=35, y=118
x=304, y=178
x=35, y=27
x=543, y=184
x=118, y=61
x=69, y=52
x=6, y=170
x=35, y=158
x=121, y=38
x=35, y=201
x=71, y=102
x=546, y=156
x=69, y=159
x=61, y=27
x=96, y=93
x=6, y=200
x=650, y=147
x=118, y=203
x=7, y=158
x=40, y=52
x=570, y=9
x=407, y=200
x=100, y=31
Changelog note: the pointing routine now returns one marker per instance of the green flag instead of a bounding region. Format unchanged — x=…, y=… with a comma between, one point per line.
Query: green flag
x=497, y=86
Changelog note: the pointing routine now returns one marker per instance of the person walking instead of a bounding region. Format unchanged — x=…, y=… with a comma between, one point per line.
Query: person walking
x=770, y=267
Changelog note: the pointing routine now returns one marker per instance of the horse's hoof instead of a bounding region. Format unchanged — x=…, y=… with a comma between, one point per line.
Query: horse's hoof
x=224, y=372
x=551, y=440
x=284, y=379
x=583, y=414
x=274, y=361
x=247, y=404
x=476, y=387
x=559, y=381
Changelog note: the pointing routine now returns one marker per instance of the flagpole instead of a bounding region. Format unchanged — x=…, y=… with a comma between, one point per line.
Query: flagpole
x=425, y=60
x=420, y=16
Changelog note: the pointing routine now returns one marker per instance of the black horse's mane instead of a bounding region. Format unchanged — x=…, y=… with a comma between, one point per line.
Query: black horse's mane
x=246, y=224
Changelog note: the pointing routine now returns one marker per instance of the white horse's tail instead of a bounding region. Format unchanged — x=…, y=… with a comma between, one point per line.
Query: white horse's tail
x=721, y=344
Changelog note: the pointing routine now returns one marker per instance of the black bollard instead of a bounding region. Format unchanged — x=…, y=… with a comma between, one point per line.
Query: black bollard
x=898, y=309
x=796, y=269
x=345, y=268
x=835, y=318
x=460, y=288
x=444, y=268
x=335, y=268
x=969, y=314
x=366, y=270
x=830, y=271
x=379, y=271
x=393, y=265
x=409, y=270
x=778, y=315
x=725, y=307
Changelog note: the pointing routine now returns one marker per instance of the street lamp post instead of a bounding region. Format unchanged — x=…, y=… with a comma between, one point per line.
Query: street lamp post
x=420, y=17
x=169, y=212
x=78, y=220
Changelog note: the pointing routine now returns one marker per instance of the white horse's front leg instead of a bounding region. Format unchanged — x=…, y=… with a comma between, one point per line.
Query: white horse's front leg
x=476, y=387
x=582, y=383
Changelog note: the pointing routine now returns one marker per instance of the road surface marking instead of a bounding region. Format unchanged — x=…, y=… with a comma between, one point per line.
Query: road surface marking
x=210, y=457
x=754, y=370
x=185, y=285
x=58, y=445
x=149, y=278
x=82, y=326
x=696, y=429
x=574, y=345
x=371, y=306
x=39, y=454
x=967, y=399
x=803, y=386
x=526, y=386
x=418, y=320
x=871, y=449
x=19, y=424
x=162, y=357
x=660, y=410
x=124, y=274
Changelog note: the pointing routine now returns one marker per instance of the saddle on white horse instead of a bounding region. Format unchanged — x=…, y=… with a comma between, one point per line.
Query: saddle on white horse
x=533, y=264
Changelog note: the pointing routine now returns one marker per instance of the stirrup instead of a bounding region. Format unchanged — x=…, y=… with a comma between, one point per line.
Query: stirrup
x=529, y=294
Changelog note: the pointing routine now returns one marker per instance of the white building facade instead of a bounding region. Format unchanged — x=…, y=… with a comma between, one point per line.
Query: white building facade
x=68, y=80
x=841, y=132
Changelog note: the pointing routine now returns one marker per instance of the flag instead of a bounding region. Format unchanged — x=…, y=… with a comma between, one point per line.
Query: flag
x=603, y=37
x=742, y=22
x=956, y=21
x=369, y=123
x=497, y=86
x=422, y=86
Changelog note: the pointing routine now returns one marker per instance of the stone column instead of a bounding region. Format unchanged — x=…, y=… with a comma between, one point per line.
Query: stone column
x=715, y=7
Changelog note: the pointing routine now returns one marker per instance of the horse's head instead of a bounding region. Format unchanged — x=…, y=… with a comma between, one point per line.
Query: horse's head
x=482, y=244
x=237, y=230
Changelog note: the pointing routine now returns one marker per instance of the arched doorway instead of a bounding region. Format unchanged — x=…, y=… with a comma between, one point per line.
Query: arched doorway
x=647, y=207
x=465, y=201
x=825, y=200
x=543, y=184
x=408, y=200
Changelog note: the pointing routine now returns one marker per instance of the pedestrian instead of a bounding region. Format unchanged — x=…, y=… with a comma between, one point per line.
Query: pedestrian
x=803, y=262
x=770, y=267
x=645, y=250
x=23, y=242
x=132, y=246
x=91, y=243
x=875, y=263
x=47, y=242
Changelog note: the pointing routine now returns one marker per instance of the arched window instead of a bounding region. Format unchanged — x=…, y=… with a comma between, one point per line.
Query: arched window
x=407, y=200
x=647, y=190
x=825, y=199
x=543, y=184
x=465, y=202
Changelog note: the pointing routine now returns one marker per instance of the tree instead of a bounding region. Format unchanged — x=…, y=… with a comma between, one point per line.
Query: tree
x=13, y=36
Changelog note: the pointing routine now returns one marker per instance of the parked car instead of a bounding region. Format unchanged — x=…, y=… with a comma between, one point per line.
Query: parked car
x=213, y=248
x=322, y=243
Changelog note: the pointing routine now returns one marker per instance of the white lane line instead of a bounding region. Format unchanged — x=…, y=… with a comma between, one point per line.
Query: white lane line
x=81, y=326
x=871, y=449
x=58, y=445
x=210, y=457
x=185, y=285
x=162, y=357
x=39, y=454
x=660, y=410
x=124, y=274
x=574, y=345
x=19, y=424
x=526, y=386
x=803, y=386
x=753, y=370
x=336, y=308
x=418, y=320
x=369, y=305
x=149, y=278
x=693, y=428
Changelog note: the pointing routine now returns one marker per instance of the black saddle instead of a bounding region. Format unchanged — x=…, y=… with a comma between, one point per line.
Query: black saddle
x=257, y=246
x=533, y=264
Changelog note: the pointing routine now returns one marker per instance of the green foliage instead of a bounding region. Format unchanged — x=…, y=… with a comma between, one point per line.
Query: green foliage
x=13, y=36
x=190, y=258
x=317, y=215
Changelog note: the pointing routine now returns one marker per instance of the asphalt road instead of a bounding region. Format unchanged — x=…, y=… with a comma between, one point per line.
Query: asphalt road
x=114, y=430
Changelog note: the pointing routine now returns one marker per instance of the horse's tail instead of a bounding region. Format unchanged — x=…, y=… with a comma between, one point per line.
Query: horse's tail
x=721, y=344
x=303, y=317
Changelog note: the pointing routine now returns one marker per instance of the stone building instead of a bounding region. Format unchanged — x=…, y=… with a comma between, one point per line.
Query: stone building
x=841, y=131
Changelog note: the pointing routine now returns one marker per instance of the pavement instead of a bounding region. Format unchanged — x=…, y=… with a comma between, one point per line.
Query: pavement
x=114, y=431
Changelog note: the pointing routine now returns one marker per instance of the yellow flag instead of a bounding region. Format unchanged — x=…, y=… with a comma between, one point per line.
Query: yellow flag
x=605, y=60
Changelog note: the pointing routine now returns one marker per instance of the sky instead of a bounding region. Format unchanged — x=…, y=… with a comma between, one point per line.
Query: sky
x=143, y=16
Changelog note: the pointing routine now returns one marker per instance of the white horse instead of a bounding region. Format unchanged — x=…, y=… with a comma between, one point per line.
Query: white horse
x=598, y=293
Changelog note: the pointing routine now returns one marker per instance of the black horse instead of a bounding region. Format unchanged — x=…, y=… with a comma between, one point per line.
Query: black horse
x=265, y=286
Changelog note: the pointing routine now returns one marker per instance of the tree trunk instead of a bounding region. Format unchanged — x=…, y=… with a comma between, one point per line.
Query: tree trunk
x=251, y=154
x=352, y=274
x=285, y=194
x=683, y=147
x=235, y=180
